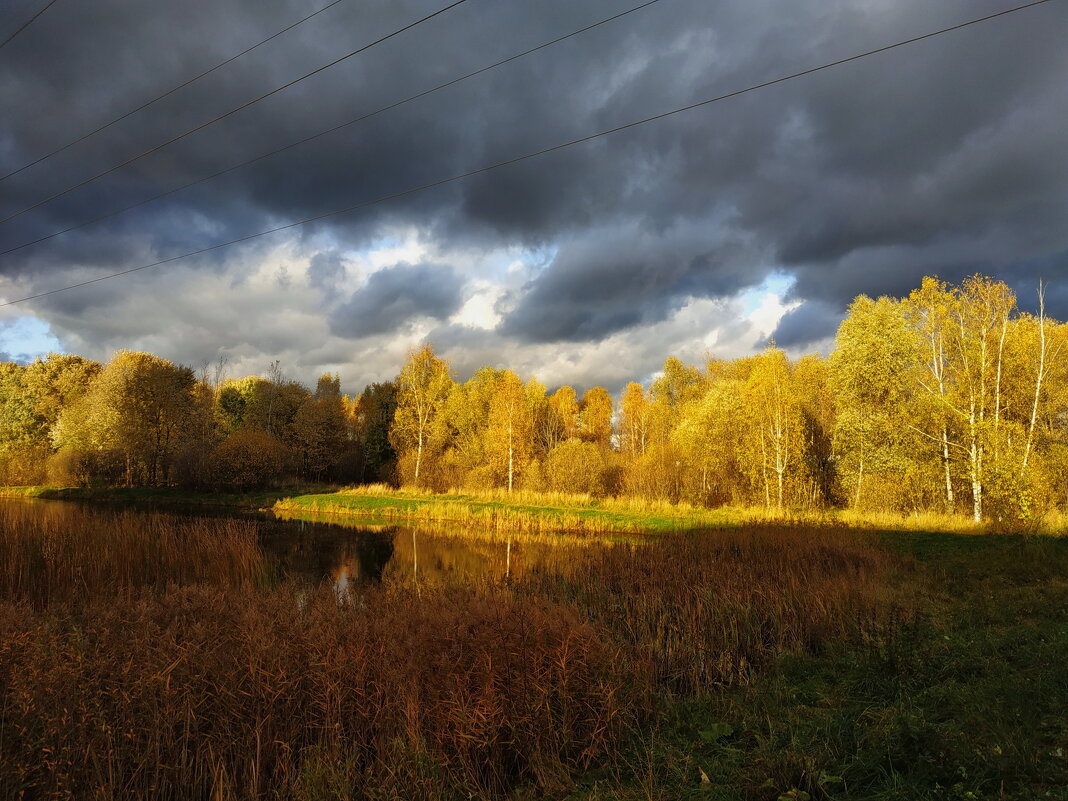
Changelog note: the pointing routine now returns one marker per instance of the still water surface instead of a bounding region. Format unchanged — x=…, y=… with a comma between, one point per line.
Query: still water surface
x=345, y=554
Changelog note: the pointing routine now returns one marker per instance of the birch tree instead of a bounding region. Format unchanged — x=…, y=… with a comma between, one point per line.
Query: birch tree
x=775, y=445
x=930, y=310
x=634, y=420
x=422, y=390
x=509, y=435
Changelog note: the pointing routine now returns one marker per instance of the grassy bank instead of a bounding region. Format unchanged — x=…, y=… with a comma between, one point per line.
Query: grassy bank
x=544, y=512
x=525, y=512
x=519, y=512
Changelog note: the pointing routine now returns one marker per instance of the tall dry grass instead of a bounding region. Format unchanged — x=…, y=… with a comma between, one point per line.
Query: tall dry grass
x=70, y=554
x=204, y=692
x=142, y=688
x=715, y=608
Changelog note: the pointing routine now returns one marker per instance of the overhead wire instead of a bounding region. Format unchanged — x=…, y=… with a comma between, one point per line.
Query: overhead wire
x=335, y=128
x=233, y=111
x=537, y=153
x=27, y=23
x=168, y=93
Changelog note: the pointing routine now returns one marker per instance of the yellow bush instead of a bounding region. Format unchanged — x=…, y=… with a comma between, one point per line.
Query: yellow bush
x=575, y=467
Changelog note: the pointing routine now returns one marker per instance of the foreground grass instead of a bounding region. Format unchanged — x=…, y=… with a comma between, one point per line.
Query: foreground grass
x=965, y=702
x=165, y=671
x=143, y=657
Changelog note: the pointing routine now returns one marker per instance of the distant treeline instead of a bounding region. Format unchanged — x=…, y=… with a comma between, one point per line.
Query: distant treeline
x=947, y=400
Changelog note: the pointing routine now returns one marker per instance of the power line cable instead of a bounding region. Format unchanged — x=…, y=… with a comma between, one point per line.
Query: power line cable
x=232, y=111
x=333, y=129
x=168, y=93
x=536, y=153
x=27, y=23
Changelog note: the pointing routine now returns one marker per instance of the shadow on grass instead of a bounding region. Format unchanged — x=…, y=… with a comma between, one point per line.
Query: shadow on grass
x=965, y=701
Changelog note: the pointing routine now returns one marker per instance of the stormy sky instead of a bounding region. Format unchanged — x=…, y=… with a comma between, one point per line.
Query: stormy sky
x=709, y=232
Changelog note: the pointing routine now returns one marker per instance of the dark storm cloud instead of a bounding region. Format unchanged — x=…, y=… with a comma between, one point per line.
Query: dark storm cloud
x=617, y=278
x=810, y=322
x=394, y=296
x=943, y=157
x=325, y=270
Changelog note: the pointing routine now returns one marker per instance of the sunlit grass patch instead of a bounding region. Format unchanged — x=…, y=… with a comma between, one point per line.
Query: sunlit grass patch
x=534, y=511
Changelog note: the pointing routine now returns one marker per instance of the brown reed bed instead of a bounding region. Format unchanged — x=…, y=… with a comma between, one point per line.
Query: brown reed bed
x=718, y=607
x=70, y=554
x=207, y=692
x=145, y=689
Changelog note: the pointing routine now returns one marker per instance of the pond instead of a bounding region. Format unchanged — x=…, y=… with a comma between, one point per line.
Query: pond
x=313, y=551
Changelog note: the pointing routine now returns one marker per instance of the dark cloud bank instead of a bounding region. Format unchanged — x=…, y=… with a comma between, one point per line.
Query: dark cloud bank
x=945, y=157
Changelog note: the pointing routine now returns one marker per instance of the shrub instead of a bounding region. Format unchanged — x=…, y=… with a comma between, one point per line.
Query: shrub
x=247, y=459
x=25, y=466
x=575, y=467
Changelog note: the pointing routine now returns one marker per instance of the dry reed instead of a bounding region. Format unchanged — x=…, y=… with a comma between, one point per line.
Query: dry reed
x=140, y=688
x=67, y=554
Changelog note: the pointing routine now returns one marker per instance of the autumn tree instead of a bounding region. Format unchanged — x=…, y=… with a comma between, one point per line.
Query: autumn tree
x=980, y=332
x=634, y=420
x=677, y=385
x=564, y=405
x=930, y=310
x=872, y=371
x=467, y=415
x=319, y=429
x=576, y=467
x=423, y=388
x=595, y=417
x=32, y=397
x=775, y=447
x=139, y=406
x=509, y=435
x=707, y=438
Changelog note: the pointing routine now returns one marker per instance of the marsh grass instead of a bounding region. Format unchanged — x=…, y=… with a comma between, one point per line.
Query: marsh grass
x=140, y=686
x=49, y=556
x=203, y=692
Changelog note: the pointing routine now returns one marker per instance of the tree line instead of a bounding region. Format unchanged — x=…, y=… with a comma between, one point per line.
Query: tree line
x=950, y=399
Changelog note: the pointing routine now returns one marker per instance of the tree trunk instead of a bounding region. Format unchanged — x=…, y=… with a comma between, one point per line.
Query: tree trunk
x=950, y=501
x=779, y=471
x=1038, y=377
x=860, y=481
x=975, y=455
x=511, y=450
x=418, y=457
